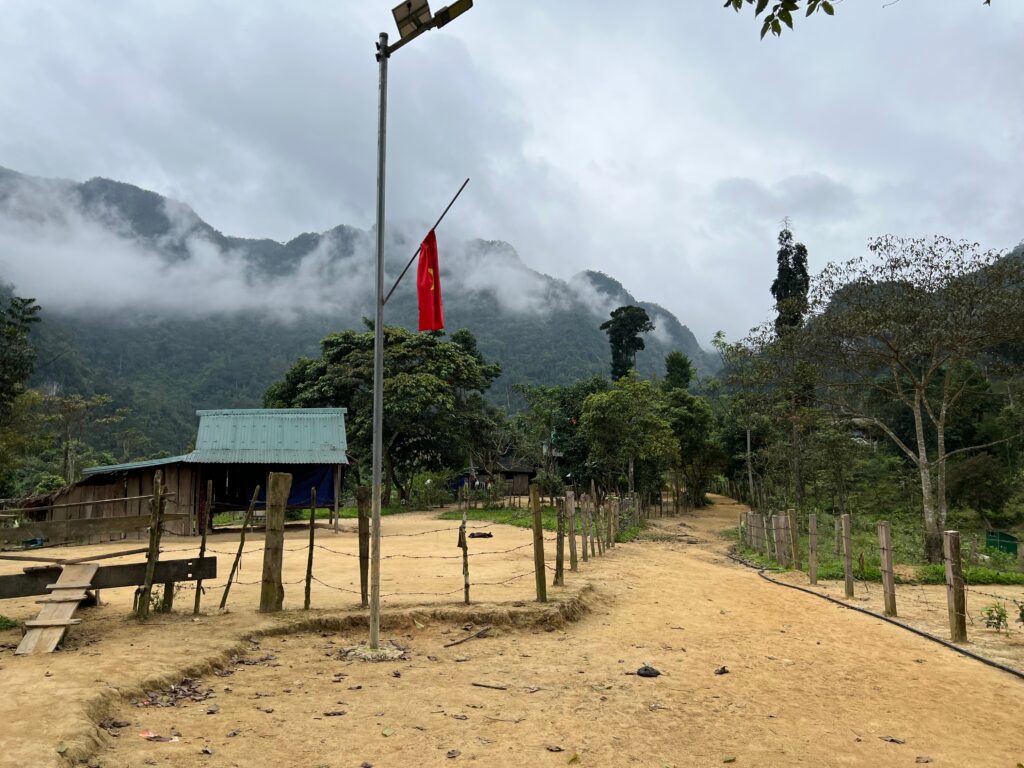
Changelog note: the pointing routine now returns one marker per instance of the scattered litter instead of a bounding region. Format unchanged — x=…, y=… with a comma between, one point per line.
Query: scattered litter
x=213, y=709
x=491, y=686
x=334, y=713
x=460, y=717
x=892, y=740
x=452, y=754
x=554, y=748
x=150, y=736
x=387, y=732
x=728, y=759
x=233, y=733
x=647, y=671
x=723, y=670
x=926, y=759
x=206, y=751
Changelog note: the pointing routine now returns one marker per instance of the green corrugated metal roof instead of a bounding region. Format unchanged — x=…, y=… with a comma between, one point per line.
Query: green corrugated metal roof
x=132, y=465
x=271, y=436
x=260, y=436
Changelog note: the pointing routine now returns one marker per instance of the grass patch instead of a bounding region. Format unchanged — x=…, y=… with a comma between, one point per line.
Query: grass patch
x=830, y=569
x=628, y=534
x=521, y=518
x=6, y=623
x=345, y=513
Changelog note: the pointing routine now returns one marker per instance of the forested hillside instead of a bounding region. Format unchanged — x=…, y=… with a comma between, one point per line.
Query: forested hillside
x=148, y=303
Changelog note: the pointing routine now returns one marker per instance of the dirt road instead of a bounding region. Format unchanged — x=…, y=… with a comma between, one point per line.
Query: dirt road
x=808, y=684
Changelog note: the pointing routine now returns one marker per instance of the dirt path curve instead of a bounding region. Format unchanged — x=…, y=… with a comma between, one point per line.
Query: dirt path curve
x=808, y=684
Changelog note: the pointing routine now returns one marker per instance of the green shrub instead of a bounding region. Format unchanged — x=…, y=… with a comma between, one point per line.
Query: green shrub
x=6, y=623
x=995, y=617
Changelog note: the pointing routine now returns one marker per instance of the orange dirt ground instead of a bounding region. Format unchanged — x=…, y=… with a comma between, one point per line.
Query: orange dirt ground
x=808, y=683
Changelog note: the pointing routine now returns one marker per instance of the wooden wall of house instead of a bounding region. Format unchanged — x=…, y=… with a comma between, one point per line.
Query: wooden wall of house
x=180, y=480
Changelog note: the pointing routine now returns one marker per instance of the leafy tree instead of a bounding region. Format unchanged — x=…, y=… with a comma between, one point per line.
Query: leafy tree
x=678, y=371
x=624, y=425
x=791, y=283
x=782, y=11
x=692, y=421
x=624, y=329
x=892, y=336
x=73, y=416
x=551, y=422
x=17, y=356
x=432, y=391
x=747, y=390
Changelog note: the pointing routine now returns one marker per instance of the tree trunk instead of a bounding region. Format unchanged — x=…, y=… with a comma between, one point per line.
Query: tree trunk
x=750, y=470
x=798, y=474
x=932, y=526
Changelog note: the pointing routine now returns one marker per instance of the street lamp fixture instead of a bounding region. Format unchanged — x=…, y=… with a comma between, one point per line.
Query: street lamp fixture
x=413, y=18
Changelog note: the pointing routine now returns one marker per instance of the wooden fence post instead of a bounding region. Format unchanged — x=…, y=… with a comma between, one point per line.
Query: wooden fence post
x=538, y=545
x=839, y=536
x=794, y=539
x=592, y=524
x=336, y=476
x=584, y=523
x=207, y=523
x=156, y=519
x=847, y=555
x=812, y=547
x=241, y=544
x=956, y=598
x=464, y=546
x=780, y=551
x=602, y=528
x=570, y=503
x=309, y=558
x=279, y=485
x=363, y=513
x=888, y=578
x=559, y=578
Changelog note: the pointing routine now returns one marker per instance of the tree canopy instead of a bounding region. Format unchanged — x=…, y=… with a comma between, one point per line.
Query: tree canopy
x=624, y=329
x=431, y=393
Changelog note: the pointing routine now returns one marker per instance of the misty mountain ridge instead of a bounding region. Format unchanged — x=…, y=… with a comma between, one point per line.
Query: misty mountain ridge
x=146, y=301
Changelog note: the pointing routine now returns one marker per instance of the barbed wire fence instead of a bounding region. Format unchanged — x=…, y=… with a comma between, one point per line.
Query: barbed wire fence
x=996, y=611
x=591, y=527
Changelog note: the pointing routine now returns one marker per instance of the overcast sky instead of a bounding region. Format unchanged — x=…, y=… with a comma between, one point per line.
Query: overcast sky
x=661, y=142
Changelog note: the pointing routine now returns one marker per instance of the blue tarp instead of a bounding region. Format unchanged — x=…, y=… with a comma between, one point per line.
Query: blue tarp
x=303, y=480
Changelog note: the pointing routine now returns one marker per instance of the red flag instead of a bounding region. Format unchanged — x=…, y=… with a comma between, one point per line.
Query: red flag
x=428, y=286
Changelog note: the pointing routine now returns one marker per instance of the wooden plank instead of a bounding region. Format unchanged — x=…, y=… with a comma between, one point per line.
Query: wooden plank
x=29, y=559
x=53, y=622
x=59, y=585
x=64, y=596
x=87, y=558
x=69, y=530
x=84, y=503
x=110, y=576
x=53, y=619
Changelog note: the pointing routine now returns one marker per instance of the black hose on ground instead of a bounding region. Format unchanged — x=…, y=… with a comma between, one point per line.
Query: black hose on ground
x=927, y=635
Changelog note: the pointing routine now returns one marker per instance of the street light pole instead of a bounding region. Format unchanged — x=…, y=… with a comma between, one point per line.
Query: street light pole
x=413, y=18
x=378, y=352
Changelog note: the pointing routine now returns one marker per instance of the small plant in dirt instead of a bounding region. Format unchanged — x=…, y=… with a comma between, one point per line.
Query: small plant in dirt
x=995, y=617
x=156, y=597
x=6, y=623
x=1020, y=610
